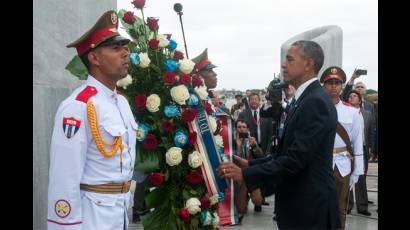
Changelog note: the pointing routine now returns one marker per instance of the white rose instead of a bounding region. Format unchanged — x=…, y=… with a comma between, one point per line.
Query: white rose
x=195, y=159
x=173, y=156
x=214, y=199
x=180, y=94
x=193, y=205
x=163, y=41
x=219, y=140
x=144, y=60
x=153, y=102
x=186, y=66
x=212, y=124
x=201, y=91
x=124, y=82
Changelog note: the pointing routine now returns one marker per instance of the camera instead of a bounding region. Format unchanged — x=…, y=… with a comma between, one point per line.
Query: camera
x=361, y=72
x=274, y=91
x=243, y=135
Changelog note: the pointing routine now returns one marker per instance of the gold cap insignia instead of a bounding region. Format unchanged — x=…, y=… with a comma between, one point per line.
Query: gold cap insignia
x=114, y=30
x=333, y=70
x=114, y=18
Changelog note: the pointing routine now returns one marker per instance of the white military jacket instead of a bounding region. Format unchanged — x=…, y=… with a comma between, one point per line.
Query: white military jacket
x=75, y=159
x=349, y=118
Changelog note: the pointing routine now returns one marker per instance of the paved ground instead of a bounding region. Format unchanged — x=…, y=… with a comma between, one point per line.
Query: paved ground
x=263, y=220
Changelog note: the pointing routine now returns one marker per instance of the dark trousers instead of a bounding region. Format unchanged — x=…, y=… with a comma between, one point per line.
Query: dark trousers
x=360, y=188
x=139, y=198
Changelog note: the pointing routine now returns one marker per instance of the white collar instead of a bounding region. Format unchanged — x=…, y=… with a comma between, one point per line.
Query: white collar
x=302, y=87
x=101, y=87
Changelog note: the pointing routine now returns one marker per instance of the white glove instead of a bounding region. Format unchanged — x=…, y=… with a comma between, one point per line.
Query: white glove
x=353, y=179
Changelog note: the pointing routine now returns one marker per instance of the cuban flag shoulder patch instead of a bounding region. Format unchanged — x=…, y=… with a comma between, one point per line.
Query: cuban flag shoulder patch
x=70, y=126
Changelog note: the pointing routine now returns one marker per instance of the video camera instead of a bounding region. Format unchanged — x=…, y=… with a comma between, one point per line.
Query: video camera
x=275, y=90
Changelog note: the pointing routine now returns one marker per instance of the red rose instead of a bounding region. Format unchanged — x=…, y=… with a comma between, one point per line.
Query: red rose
x=153, y=43
x=188, y=115
x=208, y=108
x=205, y=202
x=156, y=179
x=167, y=126
x=196, y=81
x=169, y=78
x=129, y=17
x=183, y=214
x=184, y=79
x=150, y=142
x=138, y=3
x=178, y=55
x=141, y=101
x=194, y=177
x=153, y=23
x=192, y=138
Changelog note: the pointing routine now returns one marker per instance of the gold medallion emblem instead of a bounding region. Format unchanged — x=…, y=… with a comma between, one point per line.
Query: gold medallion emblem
x=333, y=70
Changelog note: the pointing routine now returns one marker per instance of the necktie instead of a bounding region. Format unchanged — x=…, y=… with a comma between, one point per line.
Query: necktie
x=255, y=118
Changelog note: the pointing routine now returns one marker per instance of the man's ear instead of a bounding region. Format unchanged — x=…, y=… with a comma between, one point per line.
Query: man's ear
x=310, y=64
x=93, y=58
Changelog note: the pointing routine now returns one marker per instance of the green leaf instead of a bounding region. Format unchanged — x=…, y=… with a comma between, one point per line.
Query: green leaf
x=146, y=161
x=156, y=197
x=77, y=68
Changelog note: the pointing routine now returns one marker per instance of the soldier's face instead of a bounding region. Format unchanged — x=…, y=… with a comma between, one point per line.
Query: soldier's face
x=113, y=61
x=210, y=79
x=294, y=65
x=333, y=87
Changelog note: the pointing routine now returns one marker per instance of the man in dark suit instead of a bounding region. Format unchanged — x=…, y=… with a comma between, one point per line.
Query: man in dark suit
x=260, y=128
x=245, y=100
x=306, y=194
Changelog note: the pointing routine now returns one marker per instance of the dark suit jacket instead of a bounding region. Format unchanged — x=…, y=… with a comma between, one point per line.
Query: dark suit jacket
x=306, y=197
x=265, y=126
x=245, y=101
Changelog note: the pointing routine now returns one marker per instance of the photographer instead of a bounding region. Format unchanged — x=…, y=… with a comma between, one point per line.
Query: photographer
x=246, y=147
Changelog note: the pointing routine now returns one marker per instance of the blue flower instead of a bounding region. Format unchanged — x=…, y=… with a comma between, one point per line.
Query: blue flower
x=221, y=196
x=193, y=100
x=171, y=111
x=180, y=139
x=142, y=131
x=135, y=58
x=172, y=44
x=171, y=65
x=205, y=217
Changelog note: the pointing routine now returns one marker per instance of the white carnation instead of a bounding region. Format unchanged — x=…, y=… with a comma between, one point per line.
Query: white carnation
x=173, y=156
x=201, y=91
x=123, y=83
x=212, y=124
x=153, y=102
x=215, y=220
x=193, y=205
x=163, y=41
x=219, y=140
x=186, y=66
x=180, y=94
x=195, y=159
x=144, y=60
x=214, y=199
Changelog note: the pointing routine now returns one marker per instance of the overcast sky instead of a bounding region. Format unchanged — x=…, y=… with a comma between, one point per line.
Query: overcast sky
x=244, y=37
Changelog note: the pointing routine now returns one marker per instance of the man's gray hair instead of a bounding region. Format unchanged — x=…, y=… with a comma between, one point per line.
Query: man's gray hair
x=360, y=83
x=310, y=49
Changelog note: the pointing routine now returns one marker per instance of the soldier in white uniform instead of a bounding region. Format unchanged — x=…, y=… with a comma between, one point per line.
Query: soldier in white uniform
x=347, y=160
x=92, y=151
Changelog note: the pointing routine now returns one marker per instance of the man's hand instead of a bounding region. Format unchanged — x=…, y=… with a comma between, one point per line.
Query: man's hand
x=239, y=161
x=230, y=171
x=252, y=141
